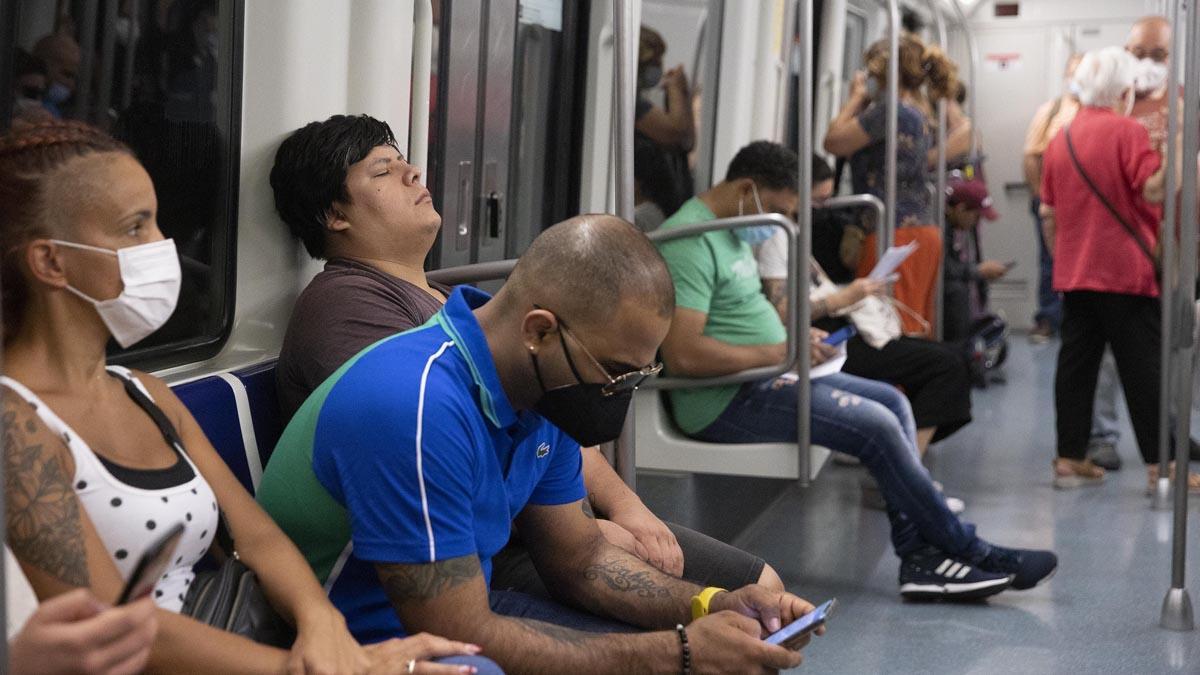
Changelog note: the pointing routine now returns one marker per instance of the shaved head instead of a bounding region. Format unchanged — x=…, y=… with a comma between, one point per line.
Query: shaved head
x=586, y=266
x=1150, y=38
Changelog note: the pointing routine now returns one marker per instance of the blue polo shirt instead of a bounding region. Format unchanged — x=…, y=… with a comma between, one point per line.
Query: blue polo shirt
x=411, y=453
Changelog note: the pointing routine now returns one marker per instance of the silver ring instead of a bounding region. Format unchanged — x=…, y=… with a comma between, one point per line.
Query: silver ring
x=411, y=667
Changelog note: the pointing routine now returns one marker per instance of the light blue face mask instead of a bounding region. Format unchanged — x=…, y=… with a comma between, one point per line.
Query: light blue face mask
x=57, y=93
x=755, y=234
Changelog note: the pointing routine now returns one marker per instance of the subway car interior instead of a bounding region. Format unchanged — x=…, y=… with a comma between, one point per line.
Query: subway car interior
x=918, y=152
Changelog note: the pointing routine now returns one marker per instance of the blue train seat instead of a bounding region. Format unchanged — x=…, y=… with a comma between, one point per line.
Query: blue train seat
x=239, y=412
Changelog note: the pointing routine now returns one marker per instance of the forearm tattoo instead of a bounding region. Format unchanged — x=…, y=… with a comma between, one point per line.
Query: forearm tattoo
x=404, y=583
x=619, y=576
x=43, y=516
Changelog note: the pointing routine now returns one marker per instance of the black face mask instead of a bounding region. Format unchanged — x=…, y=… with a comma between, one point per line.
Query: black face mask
x=582, y=410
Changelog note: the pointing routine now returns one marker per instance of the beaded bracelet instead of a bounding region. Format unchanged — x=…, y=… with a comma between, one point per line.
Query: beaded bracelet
x=686, y=651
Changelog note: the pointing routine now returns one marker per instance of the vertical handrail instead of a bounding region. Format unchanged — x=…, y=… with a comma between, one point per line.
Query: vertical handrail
x=973, y=66
x=1170, y=272
x=108, y=56
x=939, y=203
x=135, y=32
x=1177, y=605
x=803, y=251
x=624, y=76
x=422, y=71
x=887, y=231
x=87, y=59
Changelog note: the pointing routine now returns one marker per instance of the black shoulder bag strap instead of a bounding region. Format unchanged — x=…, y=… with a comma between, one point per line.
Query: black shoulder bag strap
x=224, y=537
x=1154, y=260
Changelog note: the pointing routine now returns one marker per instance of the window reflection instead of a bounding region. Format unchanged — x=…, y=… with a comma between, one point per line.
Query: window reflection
x=158, y=75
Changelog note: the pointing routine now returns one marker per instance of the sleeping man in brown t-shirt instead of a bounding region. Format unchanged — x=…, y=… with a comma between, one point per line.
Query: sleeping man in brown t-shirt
x=343, y=188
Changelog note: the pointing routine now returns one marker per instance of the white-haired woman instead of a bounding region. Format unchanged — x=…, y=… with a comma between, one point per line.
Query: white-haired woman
x=1102, y=184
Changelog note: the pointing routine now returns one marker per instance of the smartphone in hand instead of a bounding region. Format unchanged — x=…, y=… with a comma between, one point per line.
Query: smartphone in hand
x=839, y=336
x=151, y=565
x=793, y=634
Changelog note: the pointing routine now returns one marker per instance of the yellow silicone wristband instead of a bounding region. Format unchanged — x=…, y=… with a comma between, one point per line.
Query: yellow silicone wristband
x=700, y=602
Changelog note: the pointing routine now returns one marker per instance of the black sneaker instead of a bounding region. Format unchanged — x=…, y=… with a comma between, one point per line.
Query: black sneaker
x=930, y=574
x=1027, y=567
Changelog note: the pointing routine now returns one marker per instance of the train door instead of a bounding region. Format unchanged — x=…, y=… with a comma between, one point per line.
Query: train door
x=499, y=145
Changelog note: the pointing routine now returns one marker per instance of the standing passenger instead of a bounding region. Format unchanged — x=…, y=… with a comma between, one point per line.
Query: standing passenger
x=1046, y=123
x=859, y=132
x=1101, y=186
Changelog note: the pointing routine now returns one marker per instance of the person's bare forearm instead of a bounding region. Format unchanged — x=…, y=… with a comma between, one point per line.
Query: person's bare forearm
x=708, y=357
x=680, y=112
x=1032, y=167
x=606, y=491
x=186, y=646
x=536, y=647
x=285, y=575
x=612, y=582
x=449, y=598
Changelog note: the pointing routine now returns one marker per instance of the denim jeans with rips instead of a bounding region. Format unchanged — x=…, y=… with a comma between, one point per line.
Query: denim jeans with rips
x=869, y=420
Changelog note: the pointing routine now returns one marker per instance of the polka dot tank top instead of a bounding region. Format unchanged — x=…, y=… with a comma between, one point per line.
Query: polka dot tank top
x=130, y=508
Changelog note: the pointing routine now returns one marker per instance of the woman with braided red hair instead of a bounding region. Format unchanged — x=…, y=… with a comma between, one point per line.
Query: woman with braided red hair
x=94, y=472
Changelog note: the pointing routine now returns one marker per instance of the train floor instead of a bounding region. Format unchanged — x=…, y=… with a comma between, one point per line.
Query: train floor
x=1098, y=614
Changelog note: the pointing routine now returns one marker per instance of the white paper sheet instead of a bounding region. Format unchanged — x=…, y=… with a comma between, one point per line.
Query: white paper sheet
x=833, y=365
x=892, y=258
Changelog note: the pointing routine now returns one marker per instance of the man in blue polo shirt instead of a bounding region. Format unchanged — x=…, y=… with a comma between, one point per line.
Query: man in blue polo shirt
x=400, y=476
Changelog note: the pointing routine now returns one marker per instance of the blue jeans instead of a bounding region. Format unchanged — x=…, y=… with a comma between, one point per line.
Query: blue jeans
x=1049, y=303
x=483, y=665
x=866, y=419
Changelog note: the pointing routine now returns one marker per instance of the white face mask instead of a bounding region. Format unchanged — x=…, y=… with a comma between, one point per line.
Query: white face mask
x=1151, y=76
x=151, y=275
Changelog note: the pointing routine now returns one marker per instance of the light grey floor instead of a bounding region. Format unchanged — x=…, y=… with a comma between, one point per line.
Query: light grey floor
x=1099, y=614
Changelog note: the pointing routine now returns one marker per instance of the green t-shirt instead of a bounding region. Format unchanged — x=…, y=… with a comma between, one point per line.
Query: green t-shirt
x=716, y=273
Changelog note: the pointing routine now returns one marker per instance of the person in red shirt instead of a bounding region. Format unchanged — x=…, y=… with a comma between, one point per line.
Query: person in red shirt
x=1102, y=183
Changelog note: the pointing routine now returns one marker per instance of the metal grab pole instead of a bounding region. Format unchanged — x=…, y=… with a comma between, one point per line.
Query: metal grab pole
x=624, y=74
x=1177, y=605
x=1169, y=283
x=939, y=203
x=422, y=68
x=973, y=66
x=887, y=231
x=803, y=251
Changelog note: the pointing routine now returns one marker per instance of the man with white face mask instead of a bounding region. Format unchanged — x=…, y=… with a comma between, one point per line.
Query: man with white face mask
x=1150, y=41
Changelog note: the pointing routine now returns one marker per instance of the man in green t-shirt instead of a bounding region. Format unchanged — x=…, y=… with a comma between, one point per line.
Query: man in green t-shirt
x=724, y=324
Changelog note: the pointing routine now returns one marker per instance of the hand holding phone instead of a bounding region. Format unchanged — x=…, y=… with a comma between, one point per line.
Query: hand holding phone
x=839, y=336
x=151, y=565
x=793, y=634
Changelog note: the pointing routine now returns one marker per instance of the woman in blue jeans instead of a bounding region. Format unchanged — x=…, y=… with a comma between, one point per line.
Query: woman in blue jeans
x=940, y=555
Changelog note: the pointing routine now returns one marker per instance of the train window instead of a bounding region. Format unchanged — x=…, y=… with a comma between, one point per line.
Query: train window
x=164, y=77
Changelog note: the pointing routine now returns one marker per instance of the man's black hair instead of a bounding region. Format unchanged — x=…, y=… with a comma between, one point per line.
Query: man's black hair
x=821, y=170
x=770, y=165
x=310, y=172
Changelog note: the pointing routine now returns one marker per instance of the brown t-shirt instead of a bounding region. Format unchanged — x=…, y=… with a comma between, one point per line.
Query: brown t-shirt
x=346, y=308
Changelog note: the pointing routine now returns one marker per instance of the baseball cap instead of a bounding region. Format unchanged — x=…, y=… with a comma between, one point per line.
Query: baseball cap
x=973, y=193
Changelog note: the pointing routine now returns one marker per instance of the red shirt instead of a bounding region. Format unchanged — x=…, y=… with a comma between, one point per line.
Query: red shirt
x=1092, y=250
